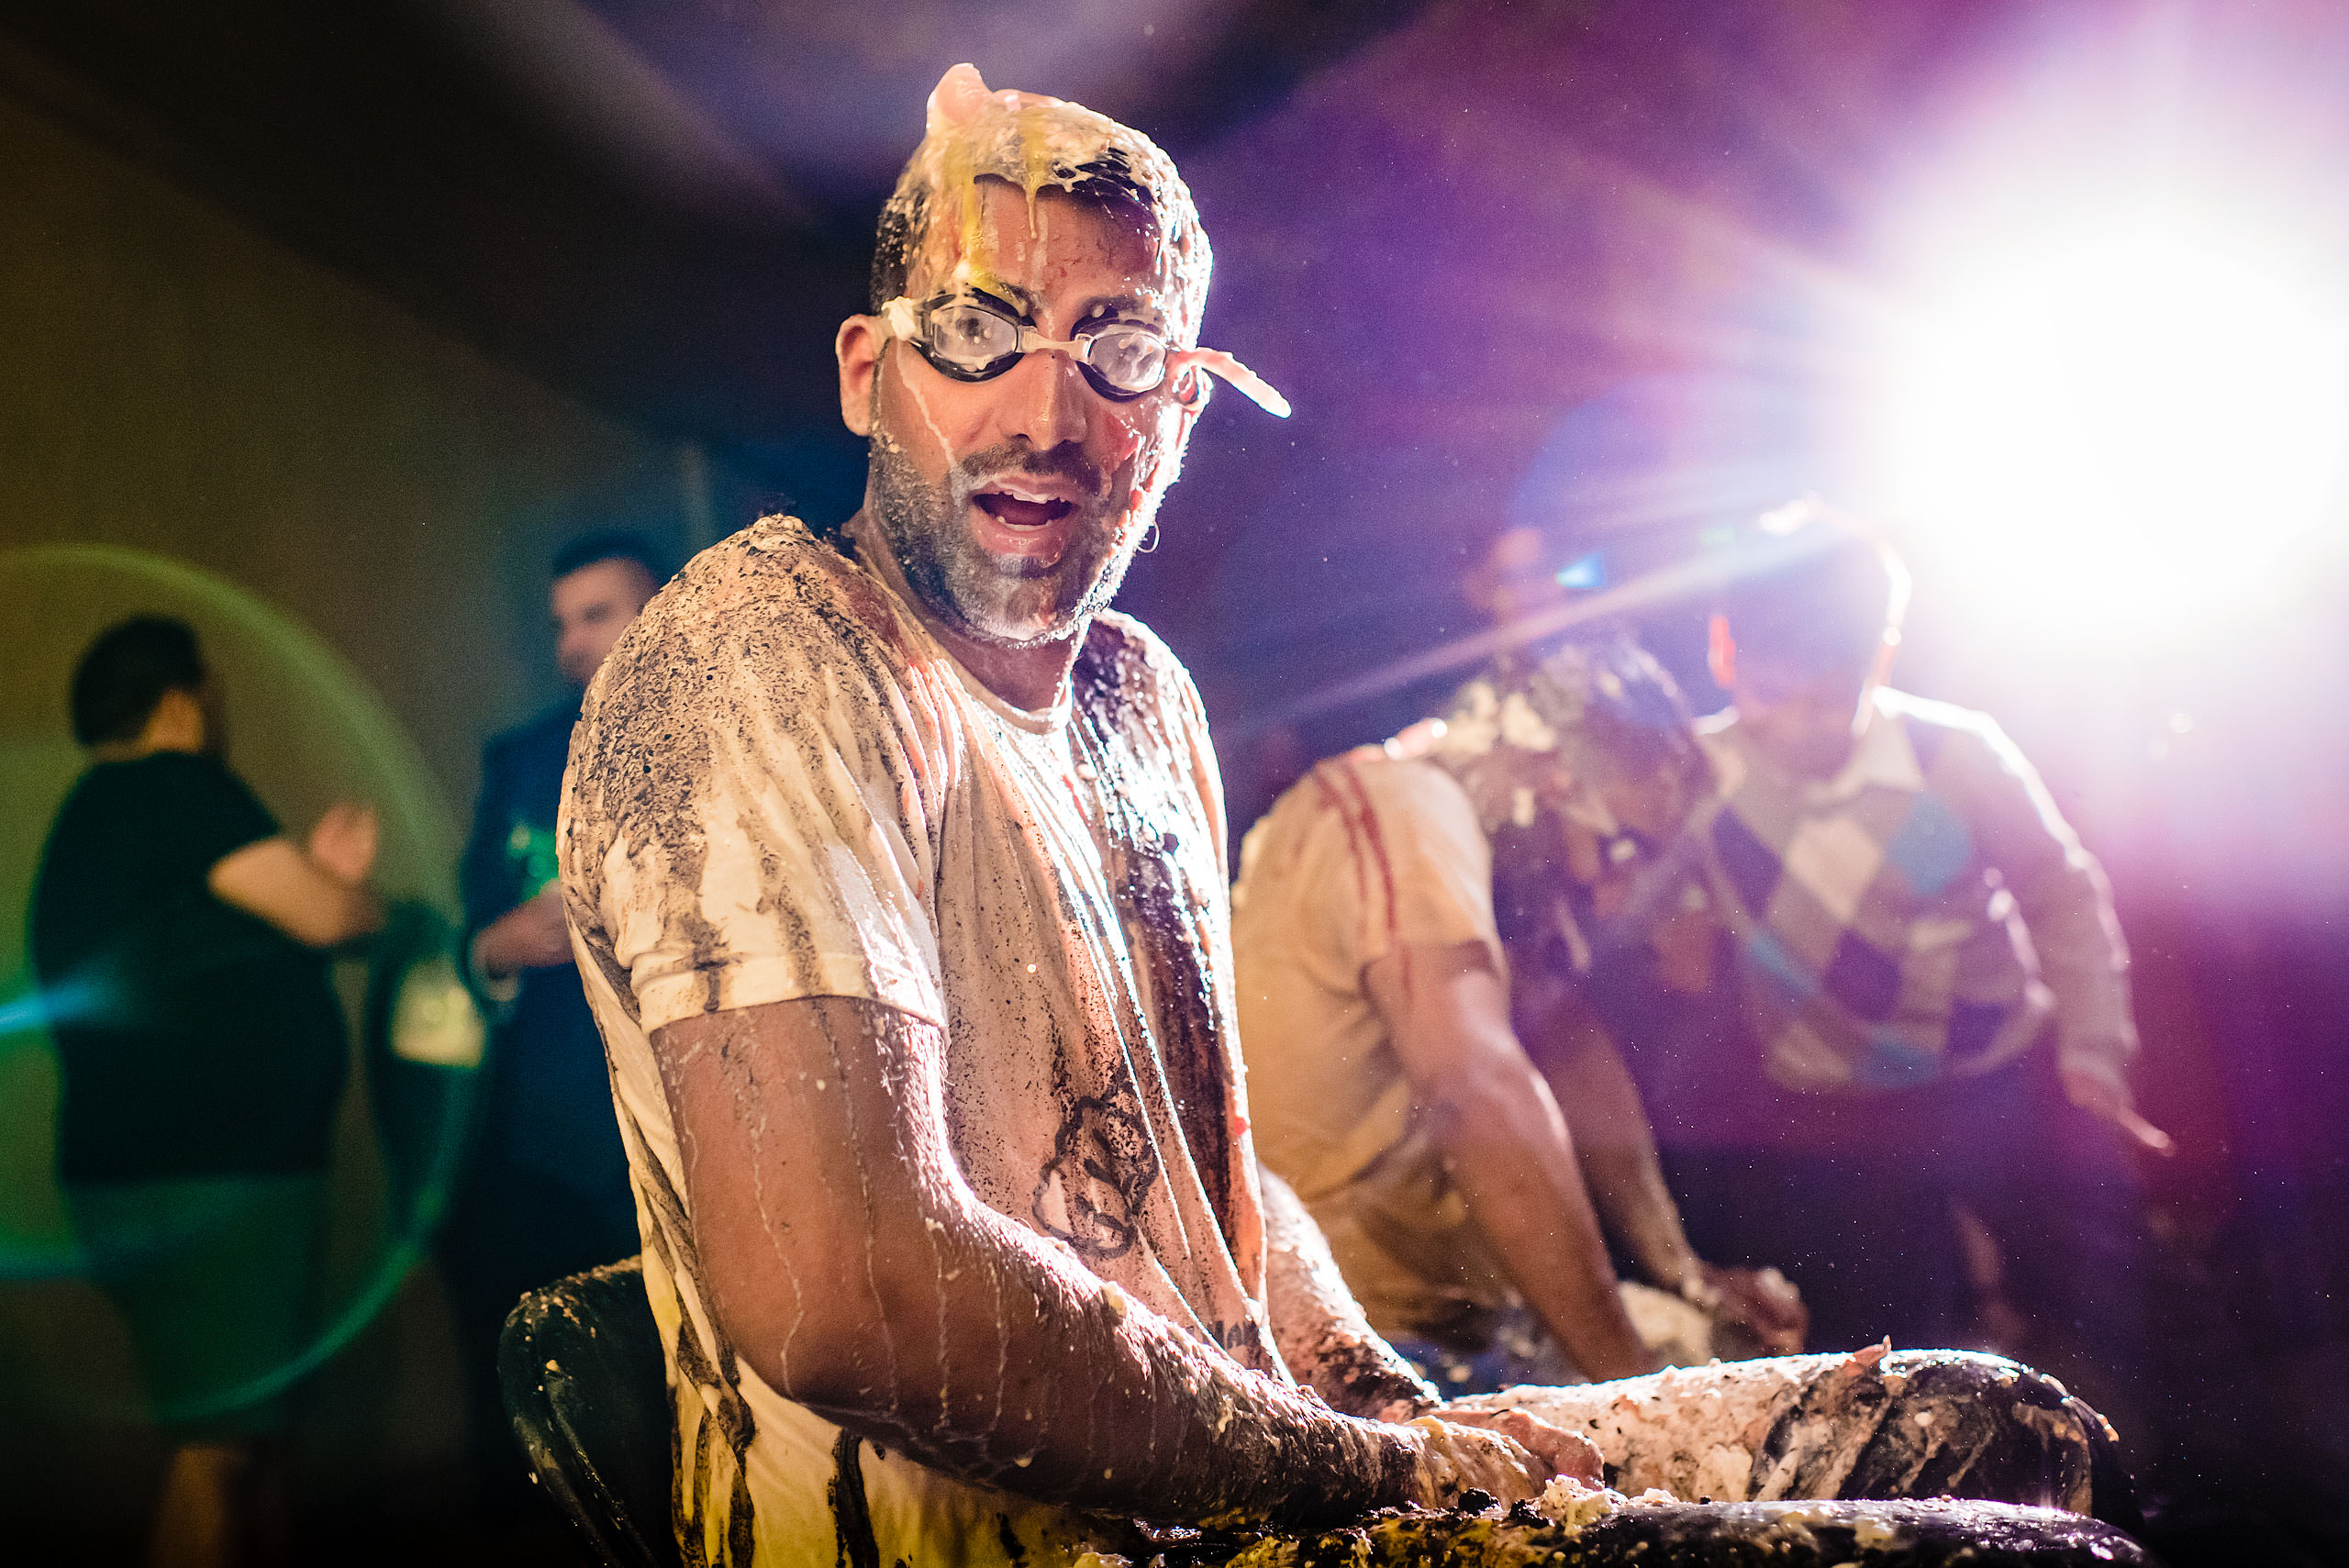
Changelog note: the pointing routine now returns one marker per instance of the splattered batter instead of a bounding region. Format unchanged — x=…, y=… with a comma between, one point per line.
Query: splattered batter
x=792, y=791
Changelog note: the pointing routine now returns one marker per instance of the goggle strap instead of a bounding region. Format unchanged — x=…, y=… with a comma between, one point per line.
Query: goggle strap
x=901, y=318
x=1216, y=362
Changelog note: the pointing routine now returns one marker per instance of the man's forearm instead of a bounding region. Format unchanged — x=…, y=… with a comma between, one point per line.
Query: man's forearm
x=1614, y=1143
x=2067, y=906
x=1318, y=1327
x=1637, y=1208
x=531, y=935
x=1024, y=1371
x=1507, y=1145
x=1527, y=1194
x=494, y=957
x=850, y=1265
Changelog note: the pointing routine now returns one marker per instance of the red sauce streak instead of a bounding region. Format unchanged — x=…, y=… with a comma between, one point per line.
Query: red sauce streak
x=1364, y=842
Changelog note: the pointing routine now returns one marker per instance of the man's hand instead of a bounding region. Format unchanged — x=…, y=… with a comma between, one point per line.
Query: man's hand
x=1565, y=1453
x=344, y=841
x=1509, y=1454
x=1762, y=1303
x=2107, y=1095
x=531, y=935
x=1452, y=1459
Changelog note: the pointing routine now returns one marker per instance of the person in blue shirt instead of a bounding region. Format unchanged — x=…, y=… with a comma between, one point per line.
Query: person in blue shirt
x=544, y=1192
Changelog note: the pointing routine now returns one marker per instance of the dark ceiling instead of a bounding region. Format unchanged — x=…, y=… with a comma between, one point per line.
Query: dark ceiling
x=1502, y=255
x=657, y=205
x=1445, y=226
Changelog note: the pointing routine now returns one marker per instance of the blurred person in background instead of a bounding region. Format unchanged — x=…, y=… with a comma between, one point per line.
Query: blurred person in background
x=1931, y=982
x=545, y=1191
x=1520, y=581
x=1413, y=1046
x=180, y=940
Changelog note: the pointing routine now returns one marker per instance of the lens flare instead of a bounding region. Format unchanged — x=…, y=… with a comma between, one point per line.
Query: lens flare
x=2138, y=427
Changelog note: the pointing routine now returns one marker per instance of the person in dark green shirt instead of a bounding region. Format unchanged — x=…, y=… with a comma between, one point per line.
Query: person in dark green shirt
x=181, y=941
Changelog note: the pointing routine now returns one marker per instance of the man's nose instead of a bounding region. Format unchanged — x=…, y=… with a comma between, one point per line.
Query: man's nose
x=1046, y=401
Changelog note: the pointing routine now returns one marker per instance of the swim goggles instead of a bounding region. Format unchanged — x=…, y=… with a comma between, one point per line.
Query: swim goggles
x=969, y=336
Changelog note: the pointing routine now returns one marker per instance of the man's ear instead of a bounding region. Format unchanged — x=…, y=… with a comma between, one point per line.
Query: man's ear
x=858, y=347
x=1720, y=653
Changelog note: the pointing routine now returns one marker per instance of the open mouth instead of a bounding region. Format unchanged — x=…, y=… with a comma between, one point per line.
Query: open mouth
x=1022, y=514
x=1021, y=507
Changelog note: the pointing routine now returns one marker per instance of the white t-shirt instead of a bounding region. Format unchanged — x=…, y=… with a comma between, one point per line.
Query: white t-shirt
x=1367, y=854
x=782, y=787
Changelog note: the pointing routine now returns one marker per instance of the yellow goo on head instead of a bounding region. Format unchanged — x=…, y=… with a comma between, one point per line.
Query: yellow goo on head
x=932, y=224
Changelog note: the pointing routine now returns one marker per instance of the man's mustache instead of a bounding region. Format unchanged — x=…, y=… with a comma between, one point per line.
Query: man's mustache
x=1012, y=459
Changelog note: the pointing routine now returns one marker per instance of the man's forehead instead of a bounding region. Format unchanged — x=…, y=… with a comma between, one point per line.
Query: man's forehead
x=613, y=576
x=1023, y=246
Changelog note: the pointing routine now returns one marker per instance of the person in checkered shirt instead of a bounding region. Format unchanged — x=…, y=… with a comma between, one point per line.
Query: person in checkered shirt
x=1930, y=984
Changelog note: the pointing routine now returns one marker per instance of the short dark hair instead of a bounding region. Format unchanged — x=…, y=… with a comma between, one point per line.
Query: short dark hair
x=126, y=673
x=1821, y=599
x=1636, y=710
x=612, y=544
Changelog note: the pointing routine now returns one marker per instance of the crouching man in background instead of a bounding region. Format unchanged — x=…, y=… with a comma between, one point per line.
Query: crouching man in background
x=1410, y=1059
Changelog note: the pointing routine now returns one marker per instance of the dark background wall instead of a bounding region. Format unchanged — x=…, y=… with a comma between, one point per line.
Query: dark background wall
x=355, y=508
x=179, y=385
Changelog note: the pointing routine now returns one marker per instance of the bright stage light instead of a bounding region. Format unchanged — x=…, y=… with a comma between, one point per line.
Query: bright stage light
x=2137, y=429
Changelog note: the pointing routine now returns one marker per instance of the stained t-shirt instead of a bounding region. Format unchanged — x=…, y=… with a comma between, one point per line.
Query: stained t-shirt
x=193, y=1038
x=782, y=787
x=1366, y=854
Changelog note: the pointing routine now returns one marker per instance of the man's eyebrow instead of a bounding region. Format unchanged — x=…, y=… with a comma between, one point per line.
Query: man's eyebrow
x=1120, y=304
x=1007, y=293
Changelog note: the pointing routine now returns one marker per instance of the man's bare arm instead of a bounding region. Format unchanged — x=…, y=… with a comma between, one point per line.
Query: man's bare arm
x=848, y=1262
x=1494, y=1116
x=315, y=893
x=1318, y=1327
x=1615, y=1145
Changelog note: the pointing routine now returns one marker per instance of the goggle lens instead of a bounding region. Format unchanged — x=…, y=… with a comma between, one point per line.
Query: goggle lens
x=976, y=338
x=1129, y=358
x=971, y=342
x=973, y=339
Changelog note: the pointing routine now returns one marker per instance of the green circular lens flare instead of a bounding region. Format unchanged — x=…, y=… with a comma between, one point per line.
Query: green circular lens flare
x=304, y=730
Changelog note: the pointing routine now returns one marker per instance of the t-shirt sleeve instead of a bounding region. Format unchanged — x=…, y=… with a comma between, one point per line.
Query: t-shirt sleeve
x=747, y=817
x=213, y=814
x=1405, y=861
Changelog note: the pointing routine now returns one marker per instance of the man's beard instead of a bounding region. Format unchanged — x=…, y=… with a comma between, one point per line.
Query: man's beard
x=1013, y=602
